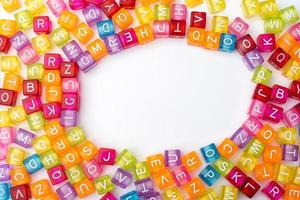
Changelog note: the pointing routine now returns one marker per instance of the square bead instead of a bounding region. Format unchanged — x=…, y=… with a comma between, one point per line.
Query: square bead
x=19, y=41
x=41, y=43
x=209, y=175
x=36, y=121
x=227, y=148
x=295, y=31
x=103, y=184
x=266, y=42
x=28, y=55
x=291, y=117
x=15, y=156
x=267, y=134
x=191, y=161
x=70, y=102
x=20, y=191
x=264, y=171
x=8, y=97
x=5, y=191
x=173, y=193
x=279, y=58
x=113, y=44
x=245, y=44
x=42, y=24
x=255, y=148
x=178, y=12
x=106, y=156
x=250, y=7
x=177, y=28
x=85, y=61
x=262, y=75
x=36, y=7
x=198, y=19
x=144, y=14
x=109, y=7
x=273, y=191
x=286, y=42
x=7, y=135
x=219, y=24
x=68, y=70
x=247, y=162
x=268, y=9
x=237, y=177
x=210, y=153
x=108, y=196
x=60, y=36
x=68, y=20
x=92, y=169
x=66, y=192
x=144, y=33
x=141, y=171
x=24, y=19
x=289, y=15
x=56, y=6
x=68, y=118
x=211, y=40
x=144, y=187
x=252, y=125
x=57, y=175
x=72, y=50
x=253, y=59
x=128, y=38
x=5, y=172
x=24, y=138
x=52, y=110
x=238, y=27
x=181, y=176
x=223, y=166
x=172, y=158
x=250, y=188
x=10, y=64
x=241, y=138
x=227, y=42
x=33, y=163
x=279, y=94
x=161, y=12
x=161, y=28
x=92, y=14
x=35, y=71
x=295, y=90
x=262, y=93
x=216, y=6
x=290, y=152
x=163, y=179
x=52, y=61
x=272, y=154
x=8, y=27
x=126, y=160
x=75, y=174
x=32, y=104
x=122, y=18
x=273, y=25
x=10, y=6
x=83, y=33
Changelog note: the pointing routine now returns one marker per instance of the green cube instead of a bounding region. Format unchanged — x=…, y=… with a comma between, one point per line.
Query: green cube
x=103, y=184
x=262, y=75
x=75, y=135
x=223, y=166
x=126, y=160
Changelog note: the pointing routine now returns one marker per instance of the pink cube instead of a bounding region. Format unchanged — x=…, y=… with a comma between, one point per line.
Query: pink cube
x=295, y=31
x=178, y=11
x=161, y=28
x=257, y=109
x=7, y=135
x=181, y=176
x=92, y=169
x=279, y=94
x=252, y=125
x=57, y=174
x=52, y=110
x=128, y=38
x=70, y=85
x=42, y=24
x=108, y=196
x=3, y=151
x=273, y=113
x=236, y=177
x=32, y=104
x=273, y=191
x=70, y=101
x=28, y=55
x=106, y=156
x=238, y=27
x=266, y=42
x=57, y=6
x=291, y=117
x=52, y=61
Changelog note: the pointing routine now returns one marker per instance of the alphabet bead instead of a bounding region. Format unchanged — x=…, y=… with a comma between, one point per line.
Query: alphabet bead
x=5, y=190
x=252, y=125
x=92, y=14
x=72, y=50
x=195, y=36
x=19, y=176
x=237, y=177
x=105, y=28
x=227, y=42
x=109, y=7
x=198, y=19
x=294, y=31
x=84, y=188
x=178, y=12
x=216, y=6
x=211, y=40
x=68, y=20
x=17, y=114
x=141, y=171
x=57, y=175
x=60, y=36
x=108, y=196
x=250, y=188
x=24, y=138
x=294, y=53
x=286, y=41
x=85, y=61
x=267, y=134
x=5, y=172
x=83, y=33
x=5, y=120
x=238, y=27
x=42, y=24
x=113, y=44
x=35, y=71
x=289, y=15
x=33, y=163
x=268, y=9
x=68, y=118
x=273, y=190
x=144, y=33
x=75, y=135
x=40, y=189
x=246, y=162
x=126, y=160
x=8, y=97
x=253, y=59
x=272, y=154
x=130, y=195
x=262, y=75
x=163, y=179
x=264, y=171
x=75, y=174
x=295, y=90
x=245, y=44
x=128, y=38
x=292, y=116
x=228, y=191
x=241, y=138
x=194, y=183
x=173, y=193
x=227, y=148
x=106, y=156
x=10, y=64
x=122, y=18
x=266, y=42
x=61, y=145
x=50, y=159
x=177, y=28
x=92, y=169
x=103, y=184
x=71, y=158
x=172, y=158
x=191, y=161
x=7, y=135
x=66, y=192
x=15, y=156
x=220, y=24
x=262, y=93
x=223, y=166
x=181, y=176
x=162, y=12
x=56, y=6
x=20, y=191
x=8, y=28
x=68, y=70
x=279, y=58
x=70, y=102
x=255, y=148
x=284, y=173
x=77, y=4
x=210, y=153
x=41, y=43
x=279, y=94
x=24, y=19
x=121, y=178
x=290, y=152
x=209, y=175
x=250, y=7
x=144, y=14
x=10, y=6
x=4, y=44
x=161, y=28
x=273, y=25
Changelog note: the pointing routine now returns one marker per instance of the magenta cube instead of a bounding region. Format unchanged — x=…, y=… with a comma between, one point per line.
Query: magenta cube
x=108, y=196
x=32, y=104
x=236, y=177
x=7, y=135
x=290, y=152
x=70, y=101
x=180, y=175
x=273, y=191
x=70, y=85
x=28, y=55
x=52, y=110
x=178, y=11
x=19, y=41
x=250, y=188
x=153, y=196
x=257, y=109
x=121, y=178
x=52, y=61
x=279, y=94
x=77, y=4
x=253, y=59
x=161, y=28
x=107, y=156
x=252, y=125
x=92, y=169
x=113, y=44
x=85, y=61
x=57, y=174
x=72, y=50
x=24, y=138
x=92, y=14
x=266, y=42
x=128, y=38
x=295, y=31
x=241, y=138
x=238, y=27
x=172, y=158
x=66, y=192
x=144, y=187
x=57, y=6
x=4, y=172
x=94, y=2
x=273, y=113
x=68, y=118
x=42, y=24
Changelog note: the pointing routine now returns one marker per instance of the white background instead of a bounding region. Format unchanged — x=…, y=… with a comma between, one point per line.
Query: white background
x=167, y=95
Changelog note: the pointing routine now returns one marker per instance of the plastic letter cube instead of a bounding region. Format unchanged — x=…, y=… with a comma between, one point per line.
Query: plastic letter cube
x=15, y=156
x=144, y=187
x=121, y=178
x=106, y=156
x=255, y=148
x=163, y=179
x=36, y=7
x=128, y=38
x=10, y=64
x=144, y=33
x=72, y=50
x=247, y=162
x=122, y=18
x=290, y=152
x=10, y=6
x=241, y=137
x=141, y=171
x=264, y=171
x=28, y=55
x=66, y=192
x=262, y=75
x=161, y=28
x=4, y=44
x=92, y=169
x=266, y=42
x=191, y=161
x=173, y=193
x=223, y=166
x=75, y=174
x=84, y=188
x=19, y=176
x=227, y=148
x=24, y=138
x=245, y=44
x=250, y=188
x=68, y=20
x=195, y=36
x=24, y=19
x=279, y=58
x=144, y=14
x=289, y=15
x=126, y=160
x=57, y=174
x=216, y=6
x=60, y=36
x=50, y=159
x=257, y=109
x=97, y=49
x=209, y=175
x=198, y=19
x=161, y=12
x=5, y=172
x=87, y=150
x=273, y=25
x=42, y=24
x=113, y=44
x=267, y=134
x=220, y=24
x=177, y=28
x=250, y=7
x=103, y=184
x=238, y=27
x=172, y=158
x=8, y=28
x=227, y=42
x=8, y=97
x=253, y=59
x=85, y=61
x=41, y=43
x=7, y=135
x=272, y=154
x=181, y=176
x=130, y=195
x=33, y=163
x=210, y=153
x=237, y=177
x=5, y=190
x=228, y=192
x=56, y=6
x=178, y=12
x=279, y=94
x=211, y=40
x=109, y=7
x=273, y=190
x=83, y=33
x=20, y=191
x=40, y=188
x=268, y=9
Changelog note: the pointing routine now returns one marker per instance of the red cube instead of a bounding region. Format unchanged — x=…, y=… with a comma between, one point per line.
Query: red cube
x=128, y=4
x=32, y=104
x=273, y=113
x=52, y=61
x=177, y=28
x=279, y=94
x=109, y=7
x=4, y=44
x=279, y=58
x=262, y=93
x=245, y=44
x=198, y=19
x=106, y=156
x=20, y=192
x=32, y=87
x=8, y=97
x=68, y=70
x=295, y=90
x=250, y=188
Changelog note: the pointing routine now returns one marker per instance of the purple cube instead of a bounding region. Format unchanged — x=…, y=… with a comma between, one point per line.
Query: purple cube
x=253, y=59
x=113, y=44
x=85, y=61
x=121, y=178
x=144, y=187
x=241, y=138
x=290, y=152
x=173, y=158
x=68, y=118
x=19, y=41
x=66, y=192
x=92, y=14
x=72, y=50
x=4, y=172
x=24, y=138
x=153, y=196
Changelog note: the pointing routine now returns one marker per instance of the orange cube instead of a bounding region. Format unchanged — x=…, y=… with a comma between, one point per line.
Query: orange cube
x=122, y=18
x=264, y=172
x=286, y=42
x=156, y=163
x=97, y=49
x=40, y=189
x=191, y=161
x=295, y=53
x=227, y=148
x=71, y=158
x=8, y=27
x=53, y=129
x=60, y=144
x=52, y=77
x=53, y=93
x=83, y=33
x=19, y=176
x=272, y=154
x=194, y=188
x=13, y=82
x=163, y=179
x=211, y=40
x=166, y=2
x=84, y=188
x=195, y=36
x=68, y=20
x=87, y=150
x=144, y=33
x=52, y=196
x=267, y=134
x=292, y=192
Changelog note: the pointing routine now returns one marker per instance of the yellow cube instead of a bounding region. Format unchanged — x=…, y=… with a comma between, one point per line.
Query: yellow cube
x=247, y=162
x=4, y=119
x=193, y=3
x=284, y=173
x=41, y=144
x=15, y=156
x=216, y=6
x=173, y=193
x=220, y=24
x=10, y=64
x=8, y=27
x=144, y=14
x=268, y=8
x=42, y=44
x=13, y=82
x=250, y=7
x=287, y=135
x=83, y=33
x=36, y=121
x=10, y=5
x=36, y=7
x=292, y=70
x=17, y=114
x=35, y=71
x=68, y=20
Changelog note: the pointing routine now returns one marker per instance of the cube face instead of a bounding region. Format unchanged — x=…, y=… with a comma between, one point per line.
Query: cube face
x=223, y=166
x=273, y=25
x=253, y=59
x=144, y=187
x=144, y=33
x=4, y=44
x=66, y=192
x=128, y=4
x=92, y=14
x=33, y=163
x=262, y=75
x=245, y=44
x=141, y=171
x=109, y=7
x=24, y=138
x=181, y=176
x=42, y=24
x=103, y=184
x=85, y=61
x=5, y=170
x=68, y=70
x=266, y=42
x=289, y=15
x=52, y=110
x=72, y=50
x=215, y=6
x=32, y=104
x=60, y=36
x=257, y=109
x=8, y=97
x=68, y=20
x=130, y=195
x=57, y=174
x=250, y=188
x=191, y=161
x=198, y=19
x=52, y=61
x=172, y=158
x=238, y=27
x=227, y=148
x=70, y=101
x=126, y=160
x=241, y=138
x=83, y=33
x=24, y=19
x=273, y=113
x=32, y=87
x=210, y=153
x=161, y=28
x=177, y=28
x=113, y=44
x=178, y=12
x=92, y=169
x=68, y=118
x=262, y=93
x=252, y=125
x=279, y=94
x=227, y=42
x=290, y=152
x=122, y=18
x=162, y=12
x=75, y=174
x=294, y=90
x=279, y=58
x=273, y=190
x=294, y=31
x=128, y=38
x=144, y=14
x=237, y=177
x=106, y=156
x=20, y=191
x=209, y=175
x=40, y=188
x=220, y=24
x=272, y=154
x=56, y=6
x=28, y=55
